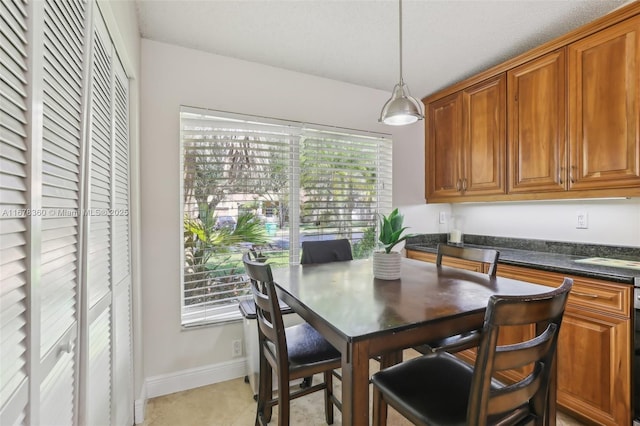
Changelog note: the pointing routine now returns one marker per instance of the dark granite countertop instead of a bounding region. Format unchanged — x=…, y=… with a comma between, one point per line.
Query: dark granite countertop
x=553, y=256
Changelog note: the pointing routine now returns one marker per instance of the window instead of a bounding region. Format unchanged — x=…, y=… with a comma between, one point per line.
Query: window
x=268, y=185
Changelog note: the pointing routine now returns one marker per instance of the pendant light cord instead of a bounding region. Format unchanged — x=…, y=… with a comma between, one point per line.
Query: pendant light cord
x=400, y=38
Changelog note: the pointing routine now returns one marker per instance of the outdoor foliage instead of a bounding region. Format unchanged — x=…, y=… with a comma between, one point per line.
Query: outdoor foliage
x=204, y=251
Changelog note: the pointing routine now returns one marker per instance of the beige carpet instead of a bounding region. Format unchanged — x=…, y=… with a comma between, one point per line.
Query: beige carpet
x=231, y=404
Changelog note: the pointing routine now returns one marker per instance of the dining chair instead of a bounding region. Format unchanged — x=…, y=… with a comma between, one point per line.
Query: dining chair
x=293, y=352
x=489, y=256
x=469, y=339
x=325, y=251
x=440, y=389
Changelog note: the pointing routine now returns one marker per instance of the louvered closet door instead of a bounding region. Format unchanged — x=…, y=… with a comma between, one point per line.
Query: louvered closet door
x=62, y=93
x=122, y=342
x=13, y=223
x=97, y=381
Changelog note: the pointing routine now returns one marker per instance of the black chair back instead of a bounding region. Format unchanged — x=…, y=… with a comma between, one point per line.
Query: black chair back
x=325, y=251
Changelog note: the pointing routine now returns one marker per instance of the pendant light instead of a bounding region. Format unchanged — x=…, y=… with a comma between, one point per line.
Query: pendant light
x=402, y=108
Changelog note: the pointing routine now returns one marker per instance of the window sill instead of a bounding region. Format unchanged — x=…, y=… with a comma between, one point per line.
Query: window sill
x=196, y=318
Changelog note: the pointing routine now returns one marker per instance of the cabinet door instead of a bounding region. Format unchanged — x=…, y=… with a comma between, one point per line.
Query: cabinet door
x=444, y=147
x=484, y=116
x=604, y=110
x=593, y=366
x=536, y=108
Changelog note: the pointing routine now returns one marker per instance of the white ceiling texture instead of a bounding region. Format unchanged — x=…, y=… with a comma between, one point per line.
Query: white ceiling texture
x=356, y=41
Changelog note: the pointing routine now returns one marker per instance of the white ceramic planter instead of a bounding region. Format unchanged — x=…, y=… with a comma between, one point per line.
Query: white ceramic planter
x=386, y=266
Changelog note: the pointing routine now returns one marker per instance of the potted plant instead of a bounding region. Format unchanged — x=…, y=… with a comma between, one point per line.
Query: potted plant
x=386, y=264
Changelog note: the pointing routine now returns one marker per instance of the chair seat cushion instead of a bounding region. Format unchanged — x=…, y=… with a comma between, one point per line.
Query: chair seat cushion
x=433, y=389
x=306, y=346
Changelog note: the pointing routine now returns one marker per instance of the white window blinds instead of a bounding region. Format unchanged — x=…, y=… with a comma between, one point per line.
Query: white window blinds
x=268, y=185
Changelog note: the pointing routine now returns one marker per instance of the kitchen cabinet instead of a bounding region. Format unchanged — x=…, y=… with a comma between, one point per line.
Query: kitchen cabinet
x=444, y=149
x=536, y=140
x=466, y=142
x=604, y=110
x=565, y=125
x=594, y=347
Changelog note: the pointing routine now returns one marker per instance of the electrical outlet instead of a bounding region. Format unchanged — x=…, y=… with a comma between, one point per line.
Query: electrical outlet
x=236, y=348
x=443, y=217
x=582, y=220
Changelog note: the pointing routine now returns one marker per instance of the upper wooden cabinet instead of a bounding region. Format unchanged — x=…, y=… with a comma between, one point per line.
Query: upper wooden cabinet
x=444, y=147
x=465, y=145
x=484, y=127
x=563, y=123
x=537, y=111
x=604, y=109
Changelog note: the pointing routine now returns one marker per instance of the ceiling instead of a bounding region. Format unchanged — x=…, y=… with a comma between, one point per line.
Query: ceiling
x=356, y=41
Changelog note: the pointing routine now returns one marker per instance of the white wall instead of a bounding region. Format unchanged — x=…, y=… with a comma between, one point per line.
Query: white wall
x=173, y=76
x=610, y=222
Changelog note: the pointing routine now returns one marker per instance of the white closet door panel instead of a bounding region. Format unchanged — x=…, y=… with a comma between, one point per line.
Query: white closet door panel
x=122, y=349
x=122, y=249
x=122, y=363
x=56, y=391
x=99, y=370
x=63, y=55
x=99, y=223
x=13, y=223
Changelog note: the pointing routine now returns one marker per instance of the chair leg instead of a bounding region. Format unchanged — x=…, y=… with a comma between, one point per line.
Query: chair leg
x=328, y=397
x=379, y=408
x=265, y=393
x=284, y=400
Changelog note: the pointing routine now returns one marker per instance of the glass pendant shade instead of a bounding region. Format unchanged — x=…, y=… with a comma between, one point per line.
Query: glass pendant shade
x=401, y=108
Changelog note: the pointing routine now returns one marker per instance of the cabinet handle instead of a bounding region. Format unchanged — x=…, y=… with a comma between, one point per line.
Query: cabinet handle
x=65, y=348
x=464, y=184
x=560, y=173
x=571, y=174
x=591, y=295
x=458, y=185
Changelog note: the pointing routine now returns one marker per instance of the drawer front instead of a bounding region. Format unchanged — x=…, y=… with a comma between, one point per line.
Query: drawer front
x=587, y=293
x=448, y=261
x=601, y=295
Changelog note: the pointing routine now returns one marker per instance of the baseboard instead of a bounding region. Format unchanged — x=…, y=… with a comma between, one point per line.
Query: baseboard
x=140, y=406
x=195, y=377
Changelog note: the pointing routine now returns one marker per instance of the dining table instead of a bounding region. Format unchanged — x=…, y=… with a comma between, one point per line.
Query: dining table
x=365, y=317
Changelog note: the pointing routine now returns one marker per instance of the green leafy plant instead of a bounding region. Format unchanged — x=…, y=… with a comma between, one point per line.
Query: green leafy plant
x=391, y=230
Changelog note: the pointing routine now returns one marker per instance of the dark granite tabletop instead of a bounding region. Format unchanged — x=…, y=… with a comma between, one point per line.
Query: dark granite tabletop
x=554, y=256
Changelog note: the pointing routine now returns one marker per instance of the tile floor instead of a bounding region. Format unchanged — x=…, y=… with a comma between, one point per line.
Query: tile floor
x=231, y=404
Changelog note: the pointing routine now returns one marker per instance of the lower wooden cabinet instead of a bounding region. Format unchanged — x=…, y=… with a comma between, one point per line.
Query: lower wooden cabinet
x=594, y=348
